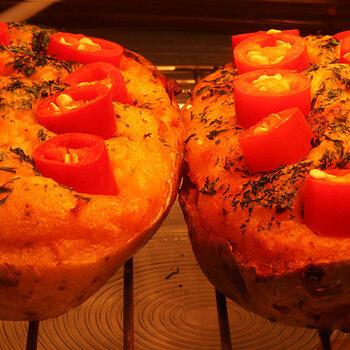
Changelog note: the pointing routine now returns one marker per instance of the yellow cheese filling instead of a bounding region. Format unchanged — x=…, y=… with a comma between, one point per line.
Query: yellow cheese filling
x=321, y=175
x=107, y=82
x=272, y=83
x=65, y=103
x=270, y=123
x=84, y=44
x=268, y=55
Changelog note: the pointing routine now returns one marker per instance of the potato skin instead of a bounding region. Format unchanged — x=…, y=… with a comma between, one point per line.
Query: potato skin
x=45, y=291
x=314, y=295
x=247, y=231
x=49, y=288
x=57, y=246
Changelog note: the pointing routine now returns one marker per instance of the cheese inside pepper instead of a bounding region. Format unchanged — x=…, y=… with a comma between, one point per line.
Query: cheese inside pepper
x=107, y=82
x=321, y=175
x=71, y=157
x=268, y=54
x=272, y=83
x=65, y=103
x=84, y=44
x=268, y=124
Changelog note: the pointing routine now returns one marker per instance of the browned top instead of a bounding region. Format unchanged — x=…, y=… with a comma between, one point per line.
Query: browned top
x=145, y=154
x=261, y=214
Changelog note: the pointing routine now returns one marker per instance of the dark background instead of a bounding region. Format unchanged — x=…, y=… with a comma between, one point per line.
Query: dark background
x=189, y=32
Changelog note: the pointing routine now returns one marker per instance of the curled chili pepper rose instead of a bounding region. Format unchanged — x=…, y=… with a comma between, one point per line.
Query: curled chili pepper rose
x=327, y=202
x=260, y=93
x=345, y=50
x=102, y=73
x=279, y=139
x=282, y=51
x=342, y=35
x=84, y=49
x=4, y=34
x=86, y=109
x=236, y=39
x=77, y=160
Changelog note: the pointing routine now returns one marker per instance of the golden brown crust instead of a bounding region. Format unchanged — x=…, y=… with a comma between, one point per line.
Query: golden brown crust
x=59, y=246
x=247, y=231
x=171, y=86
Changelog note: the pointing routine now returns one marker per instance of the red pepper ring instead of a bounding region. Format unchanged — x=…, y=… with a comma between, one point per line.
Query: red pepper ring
x=101, y=72
x=84, y=49
x=77, y=160
x=279, y=139
x=4, y=34
x=282, y=51
x=327, y=202
x=342, y=35
x=345, y=50
x=260, y=93
x=236, y=39
x=86, y=109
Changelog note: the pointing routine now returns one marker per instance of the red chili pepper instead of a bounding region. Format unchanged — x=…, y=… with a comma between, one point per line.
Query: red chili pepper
x=279, y=139
x=345, y=50
x=77, y=160
x=84, y=49
x=4, y=34
x=342, y=35
x=236, y=39
x=282, y=51
x=327, y=202
x=104, y=73
x=260, y=93
x=87, y=109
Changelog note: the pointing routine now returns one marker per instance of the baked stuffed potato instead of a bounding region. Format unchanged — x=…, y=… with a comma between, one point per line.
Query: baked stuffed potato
x=59, y=246
x=247, y=229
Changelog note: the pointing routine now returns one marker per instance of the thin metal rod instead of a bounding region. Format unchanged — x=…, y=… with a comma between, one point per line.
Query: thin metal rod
x=186, y=67
x=128, y=321
x=32, y=335
x=325, y=338
x=224, y=325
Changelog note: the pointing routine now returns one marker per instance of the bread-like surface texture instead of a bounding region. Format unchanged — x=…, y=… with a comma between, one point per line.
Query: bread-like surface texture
x=247, y=231
x=58, y=246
